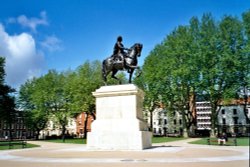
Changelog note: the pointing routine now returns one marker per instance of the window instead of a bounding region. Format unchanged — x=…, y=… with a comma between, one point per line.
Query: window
x=160, y=122
x=180, y=121
x=236, y=129
x=223, y=111
x=235, y=120
x=174, y=121
x=248, y=122
x=165, y=122
x=234, y=111
x=12, y=126
x=224, y=121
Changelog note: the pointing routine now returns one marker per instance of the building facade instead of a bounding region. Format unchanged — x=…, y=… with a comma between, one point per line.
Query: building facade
x=17, y=129
x=74, y=128
x=165, y=124
x=203, y=115
x=54, y=129
x=81, y=122
x=233, y=120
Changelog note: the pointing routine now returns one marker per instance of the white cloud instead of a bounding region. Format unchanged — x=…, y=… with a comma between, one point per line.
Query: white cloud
x=52, y=43
x=32, y=22
x=22, y=59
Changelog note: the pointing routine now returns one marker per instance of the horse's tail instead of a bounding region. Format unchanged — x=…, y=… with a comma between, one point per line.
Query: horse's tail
x=104, y=73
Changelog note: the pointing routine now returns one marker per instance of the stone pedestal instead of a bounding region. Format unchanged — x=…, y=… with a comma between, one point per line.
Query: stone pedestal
x=119, y=123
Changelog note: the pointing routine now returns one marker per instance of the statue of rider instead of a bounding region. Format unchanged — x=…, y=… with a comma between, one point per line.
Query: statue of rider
x=119, y=49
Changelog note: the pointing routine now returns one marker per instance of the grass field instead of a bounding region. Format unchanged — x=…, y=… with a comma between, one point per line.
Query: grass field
x=166, y=139
x=83, y=141
x=18, y=146
x=244, y=141
x=73, y=141
x=203, y=141
x=240, y=141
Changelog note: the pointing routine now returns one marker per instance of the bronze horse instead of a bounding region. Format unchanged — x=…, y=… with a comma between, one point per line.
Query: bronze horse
x=127, y=62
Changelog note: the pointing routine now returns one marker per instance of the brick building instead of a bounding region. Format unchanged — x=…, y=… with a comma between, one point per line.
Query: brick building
x=81, y=122
x=74, y=128
x=17, y=130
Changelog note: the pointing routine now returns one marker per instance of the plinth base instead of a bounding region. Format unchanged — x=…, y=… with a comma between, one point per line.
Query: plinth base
x=119, y=140
x=119, y=124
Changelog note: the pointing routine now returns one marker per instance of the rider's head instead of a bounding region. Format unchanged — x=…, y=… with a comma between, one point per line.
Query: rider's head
x=119, y=38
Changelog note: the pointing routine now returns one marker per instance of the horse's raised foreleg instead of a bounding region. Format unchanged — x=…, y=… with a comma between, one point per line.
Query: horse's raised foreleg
x=113, y=76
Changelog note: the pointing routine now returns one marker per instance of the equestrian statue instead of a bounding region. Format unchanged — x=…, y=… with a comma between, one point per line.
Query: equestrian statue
x=121, y=60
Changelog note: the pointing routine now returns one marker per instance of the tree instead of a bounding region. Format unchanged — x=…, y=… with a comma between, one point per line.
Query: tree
x=173, y=83
x=7, y=101
x=148, y=81
x=204, y=58
x=86, y=80
x=56, y=99
x=2, y=72
x=220, y=68
x=32, y=101
x=244, y=66
x=60, y=96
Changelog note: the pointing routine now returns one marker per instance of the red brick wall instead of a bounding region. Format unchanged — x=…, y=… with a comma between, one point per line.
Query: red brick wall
x=80, y=122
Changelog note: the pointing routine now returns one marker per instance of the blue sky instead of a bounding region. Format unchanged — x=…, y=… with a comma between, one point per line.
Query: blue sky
x=38, y=35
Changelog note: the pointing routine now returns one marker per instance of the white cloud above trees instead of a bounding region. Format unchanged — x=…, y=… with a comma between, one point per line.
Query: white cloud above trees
x=24, y=55
x=52, y=43
x=32, y=22
x=22, y=60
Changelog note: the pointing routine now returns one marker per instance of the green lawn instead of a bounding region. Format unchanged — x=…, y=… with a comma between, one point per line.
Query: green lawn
x=244, y=141
x=73, y=141
x=83, y=141
x=18, y=146
x=166, y=139
x=203, y=141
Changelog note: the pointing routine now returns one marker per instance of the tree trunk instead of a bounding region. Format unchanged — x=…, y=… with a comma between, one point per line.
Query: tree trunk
x=85, y=125
x=245, y=108
x=151, y=121
x=37, y=133
x=192, y=108
x=184, y=124
x=214, y=128
x=93, y=115
x=63, y=132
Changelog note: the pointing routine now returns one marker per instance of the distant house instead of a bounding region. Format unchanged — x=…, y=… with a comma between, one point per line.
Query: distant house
x=80, y=124
x=75, y=127
x=17, y=130
x=203, y=115
x=54, y=129
x=233, y=120
x=164, y=125
x=160, y=123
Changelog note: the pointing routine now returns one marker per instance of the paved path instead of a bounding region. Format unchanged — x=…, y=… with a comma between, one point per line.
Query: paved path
x=171, y=154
